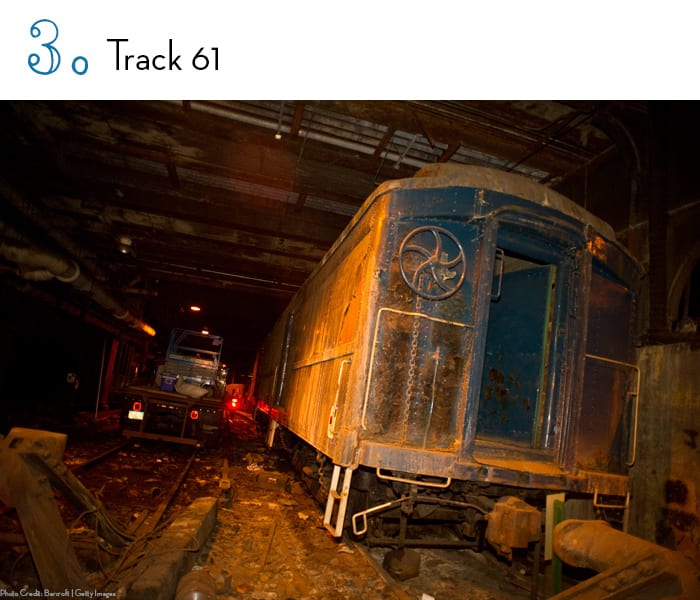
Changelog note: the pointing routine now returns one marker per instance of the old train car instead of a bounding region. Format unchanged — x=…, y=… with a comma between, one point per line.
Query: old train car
x=463, y=349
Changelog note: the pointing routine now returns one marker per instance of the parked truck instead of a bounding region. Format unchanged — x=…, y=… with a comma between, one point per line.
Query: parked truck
x=184, y=403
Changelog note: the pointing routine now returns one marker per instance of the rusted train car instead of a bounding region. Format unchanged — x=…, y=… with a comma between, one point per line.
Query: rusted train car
x=464, y=349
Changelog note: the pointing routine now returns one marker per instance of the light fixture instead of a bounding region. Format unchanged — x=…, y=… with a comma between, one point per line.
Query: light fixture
x=205, y=331
x=125, y=243
x=148, y=329
x=195, y=308
x=278, y=133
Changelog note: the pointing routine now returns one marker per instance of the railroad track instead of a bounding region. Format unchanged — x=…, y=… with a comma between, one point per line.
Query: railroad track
x=113, y=499
x=148, y=522
x=137, y=482
x=88, y=462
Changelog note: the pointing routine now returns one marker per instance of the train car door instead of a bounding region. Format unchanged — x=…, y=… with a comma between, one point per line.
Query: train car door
x=516, y=353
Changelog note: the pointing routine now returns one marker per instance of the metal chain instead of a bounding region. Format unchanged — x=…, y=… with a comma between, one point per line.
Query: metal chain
x=411, y=380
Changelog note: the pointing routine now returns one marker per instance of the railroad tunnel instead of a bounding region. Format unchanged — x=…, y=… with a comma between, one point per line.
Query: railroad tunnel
x=137, y=462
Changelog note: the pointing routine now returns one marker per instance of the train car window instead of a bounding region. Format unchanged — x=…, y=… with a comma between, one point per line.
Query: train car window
x=512, y=400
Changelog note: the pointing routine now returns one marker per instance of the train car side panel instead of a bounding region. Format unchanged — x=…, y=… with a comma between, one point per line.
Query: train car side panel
x=605, y=436
x=423, y=327
x=319, y=366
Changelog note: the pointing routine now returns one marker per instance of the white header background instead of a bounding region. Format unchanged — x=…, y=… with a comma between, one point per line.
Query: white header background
x=378, y=49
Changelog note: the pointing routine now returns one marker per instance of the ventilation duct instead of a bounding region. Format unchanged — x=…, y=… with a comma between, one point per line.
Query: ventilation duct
x=41, y=265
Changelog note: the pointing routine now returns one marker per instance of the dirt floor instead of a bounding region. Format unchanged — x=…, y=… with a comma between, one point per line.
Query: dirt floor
x=269, y=542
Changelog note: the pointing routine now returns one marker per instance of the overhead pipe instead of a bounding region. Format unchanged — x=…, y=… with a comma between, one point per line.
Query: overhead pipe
x=627, y=565
x=42, y=265
x=38, y=265
x=36, y=261
x=313, y=135
x=64, y=241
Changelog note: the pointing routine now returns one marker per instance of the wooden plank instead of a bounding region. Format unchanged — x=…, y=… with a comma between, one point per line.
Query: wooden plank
x=50, y=546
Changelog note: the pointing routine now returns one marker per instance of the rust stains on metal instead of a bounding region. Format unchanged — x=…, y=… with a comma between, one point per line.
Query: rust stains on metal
x=598, y=247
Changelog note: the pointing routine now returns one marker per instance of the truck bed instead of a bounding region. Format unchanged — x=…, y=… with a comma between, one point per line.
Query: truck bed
x=151, y=413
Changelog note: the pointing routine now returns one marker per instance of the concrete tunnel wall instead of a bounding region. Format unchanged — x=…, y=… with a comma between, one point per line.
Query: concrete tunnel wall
x=666, y=475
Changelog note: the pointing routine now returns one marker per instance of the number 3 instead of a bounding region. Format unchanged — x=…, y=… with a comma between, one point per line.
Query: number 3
x=54, y=55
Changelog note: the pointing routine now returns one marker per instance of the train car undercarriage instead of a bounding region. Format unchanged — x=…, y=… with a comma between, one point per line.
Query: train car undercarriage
x=393, y=511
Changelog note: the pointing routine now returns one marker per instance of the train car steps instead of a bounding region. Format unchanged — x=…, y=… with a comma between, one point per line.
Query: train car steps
x=339, y=497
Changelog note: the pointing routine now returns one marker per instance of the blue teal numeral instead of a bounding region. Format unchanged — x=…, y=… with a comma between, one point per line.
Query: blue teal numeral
x=79, y=64
x=54, y=55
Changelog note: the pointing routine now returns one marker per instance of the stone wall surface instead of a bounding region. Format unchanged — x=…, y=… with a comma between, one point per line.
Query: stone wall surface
x=666, y=475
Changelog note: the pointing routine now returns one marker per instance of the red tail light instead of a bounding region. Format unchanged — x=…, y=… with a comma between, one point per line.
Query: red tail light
x=194, y=414
x=136, y=406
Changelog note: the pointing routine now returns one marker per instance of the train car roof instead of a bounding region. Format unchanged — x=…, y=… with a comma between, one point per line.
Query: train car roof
x=469, y=176
x=452, y=175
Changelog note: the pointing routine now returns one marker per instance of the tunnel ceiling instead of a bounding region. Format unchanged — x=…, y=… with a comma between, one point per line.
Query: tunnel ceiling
x=166, y=204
